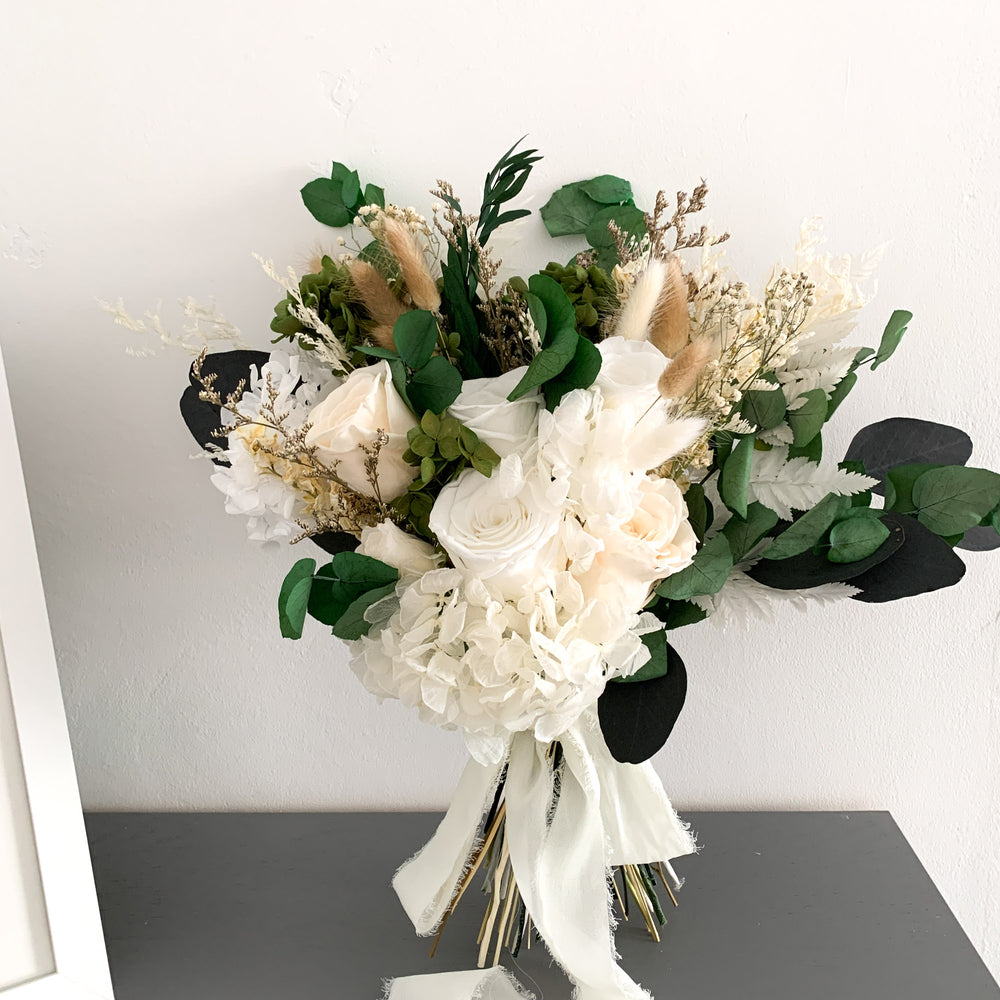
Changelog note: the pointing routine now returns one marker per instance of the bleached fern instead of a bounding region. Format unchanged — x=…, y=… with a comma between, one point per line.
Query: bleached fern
x=785, y=484
x=811, y=369
x=743, y=599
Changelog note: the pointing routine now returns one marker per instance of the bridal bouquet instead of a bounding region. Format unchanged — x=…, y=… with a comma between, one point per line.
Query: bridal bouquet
x=524, y=485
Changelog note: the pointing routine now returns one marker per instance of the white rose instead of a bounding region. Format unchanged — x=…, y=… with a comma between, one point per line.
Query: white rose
x=483, y=407
x=498, y=529
x=393, y=546
x=655, y=541
x=629, y=372
x=364, y=403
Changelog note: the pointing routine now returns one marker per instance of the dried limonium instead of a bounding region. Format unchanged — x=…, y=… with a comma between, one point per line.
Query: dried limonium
x=510, y=335
x=658, y=225
x=283, y=451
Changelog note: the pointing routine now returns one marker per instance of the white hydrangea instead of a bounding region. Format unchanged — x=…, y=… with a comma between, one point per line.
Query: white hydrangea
x=463, y=658
x=253, y=484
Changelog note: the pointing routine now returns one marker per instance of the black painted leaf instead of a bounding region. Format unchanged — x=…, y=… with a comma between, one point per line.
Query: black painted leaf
x=637, y=718
x=203, y=418
x=808, y=569
x=335, y=541
x=924, y=562
x=907, y=441
x=980, y=539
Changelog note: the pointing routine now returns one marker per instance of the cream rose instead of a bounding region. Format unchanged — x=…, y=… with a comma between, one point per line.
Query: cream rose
x=655, y=541
x=629, y=372
x=393, y=546
x=364, y=403
x=507, y=427
x=500, y=529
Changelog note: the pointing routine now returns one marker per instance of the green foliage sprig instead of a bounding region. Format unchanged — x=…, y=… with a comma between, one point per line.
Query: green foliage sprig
x=442, y=447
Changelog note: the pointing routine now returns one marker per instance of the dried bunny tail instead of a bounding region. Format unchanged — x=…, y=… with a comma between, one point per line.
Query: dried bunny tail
x=681, y=374
x=375, y=293
x=382, y=335
x=409, y=256
x=633, y=320
x=671, y=320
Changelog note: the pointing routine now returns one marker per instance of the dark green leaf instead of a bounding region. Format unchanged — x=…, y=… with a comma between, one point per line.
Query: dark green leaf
x=735, y=476
x=805, y=532
x=352, y=624
x=580, y=373
x=840, y=391
x=681, y=613
x=807, y=421
x=353, y=567
x=705, y=575
x=813, y=450
x=415, y=335
x=322, y=198
x=745, y=533
x=378, y=352
x=697, y=507
x=350, y=192
x=435, y=386
x=548, y=363
x=856, y=538
x=293, y=599
x=374, y=195
x=536, y=310
x=891, y=336
x=558, y=308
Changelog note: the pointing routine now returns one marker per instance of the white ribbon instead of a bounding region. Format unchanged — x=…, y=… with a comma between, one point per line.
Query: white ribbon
x=606, y=814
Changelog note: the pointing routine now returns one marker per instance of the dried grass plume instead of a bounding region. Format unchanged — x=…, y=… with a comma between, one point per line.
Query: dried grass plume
x=377, y=298
x=633, y=321
x=412, y=265
x=681, y=375
x=669, y=331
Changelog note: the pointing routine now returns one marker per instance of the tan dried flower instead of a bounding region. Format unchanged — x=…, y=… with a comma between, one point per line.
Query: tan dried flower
x=412, y=265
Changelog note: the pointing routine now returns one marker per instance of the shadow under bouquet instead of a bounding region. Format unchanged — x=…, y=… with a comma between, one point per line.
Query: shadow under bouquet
x=523, y=486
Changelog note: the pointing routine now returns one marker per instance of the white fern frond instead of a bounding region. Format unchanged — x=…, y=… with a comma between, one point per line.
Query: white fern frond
x=782, y=434
x=742, y=599
x=785, y=484
x=815, y=370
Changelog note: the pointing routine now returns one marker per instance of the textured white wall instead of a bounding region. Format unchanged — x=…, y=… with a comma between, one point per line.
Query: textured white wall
x=147, y=149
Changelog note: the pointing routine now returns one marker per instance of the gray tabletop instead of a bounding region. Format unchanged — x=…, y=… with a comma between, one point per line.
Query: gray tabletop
x=777, y=906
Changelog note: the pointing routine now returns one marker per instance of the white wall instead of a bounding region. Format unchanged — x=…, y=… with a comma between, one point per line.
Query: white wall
x=147, y=149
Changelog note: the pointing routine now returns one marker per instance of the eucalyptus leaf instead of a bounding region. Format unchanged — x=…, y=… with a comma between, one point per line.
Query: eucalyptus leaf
x=840, y=391
x=353, y=567
x=856, y=538
x=658, y=663
x=352, y=625
x=435, y=386
x=953, y=499
x=735, y=478
x=706, y=574
x=745, y=533
x=607, y=189
x=764, y=408
x=569, y=211
x=891, y=336
x=627, y=218
x=905, y=441
x=807, y=421
x=808, y=529
x=293, y=598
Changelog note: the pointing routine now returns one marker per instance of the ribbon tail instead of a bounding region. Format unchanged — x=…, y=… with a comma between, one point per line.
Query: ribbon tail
x=477, y=984
x=427, y=883
x=559, y=857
